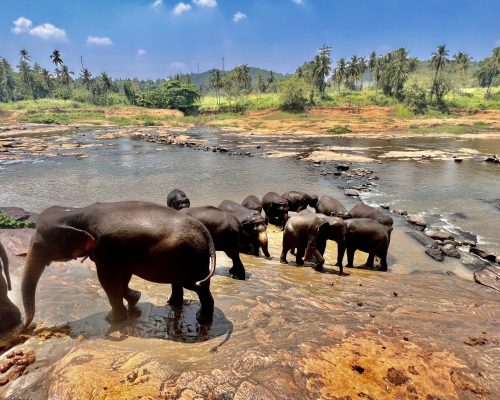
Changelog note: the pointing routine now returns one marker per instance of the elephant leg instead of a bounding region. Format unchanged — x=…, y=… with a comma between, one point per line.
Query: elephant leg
x=284, y=252
x=206, y=312
x=383, y=261
x=177, y=297
x=299, y=256
x=350, y=257
x=112, y=283
x=369, y=261
x=132, y=296
x=237, y=270
x=319, y=260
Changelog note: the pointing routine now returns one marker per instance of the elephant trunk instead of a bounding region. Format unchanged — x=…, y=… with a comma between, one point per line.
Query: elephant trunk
x=263, y=242
x=33, y=269
x=4, y=262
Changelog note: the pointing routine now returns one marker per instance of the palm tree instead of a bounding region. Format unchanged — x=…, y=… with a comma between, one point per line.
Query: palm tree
x=56, y=58
x=372, y=63
x=216, y=83
x=47, y=80
x=7, y=79
x=353, y=71
x=86, y=78
x=24, y=69
x=438, y=62
x=107, y=82
x=243, y=76
x=65, y=75
x=462, y=61
x=340, y=72
x=489, y=70
x=322, y=68
x=261, y=83
x=361, y=68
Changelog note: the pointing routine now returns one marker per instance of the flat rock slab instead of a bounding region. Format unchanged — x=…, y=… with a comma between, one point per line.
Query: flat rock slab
x=489, y=276
x=424, y=240
x=439, y=235
x=416, y=220
x=436, y=254
x=483, y=254
x=351, y=192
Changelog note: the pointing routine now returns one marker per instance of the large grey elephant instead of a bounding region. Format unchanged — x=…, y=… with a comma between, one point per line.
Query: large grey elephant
x=275, y=207
x=362, y=210
x=298, y=201
x=10, y=315
x=124, y=239
x=330, y=206
x=308, y=233
x=225, y=230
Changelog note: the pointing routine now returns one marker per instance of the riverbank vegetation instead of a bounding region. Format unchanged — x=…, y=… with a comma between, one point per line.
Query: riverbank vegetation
x=412, y=87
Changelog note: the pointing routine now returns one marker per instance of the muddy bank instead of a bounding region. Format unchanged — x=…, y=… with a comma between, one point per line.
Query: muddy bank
x=285, y=332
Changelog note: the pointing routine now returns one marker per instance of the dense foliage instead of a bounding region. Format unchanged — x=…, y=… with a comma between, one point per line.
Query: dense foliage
x=7, y=222
x=293, y=94
x=172, y=94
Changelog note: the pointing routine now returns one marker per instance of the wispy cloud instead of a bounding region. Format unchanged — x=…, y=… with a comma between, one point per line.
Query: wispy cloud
x=99, y=40
x=44, y=31
x=239, y=16
x=141, y=52
x=157, y=4
x=299, y=2
x=206, y=3
x=181, y=8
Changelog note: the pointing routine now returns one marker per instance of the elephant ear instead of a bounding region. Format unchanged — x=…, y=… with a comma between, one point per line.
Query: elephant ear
x=324, y=228
x=69, y=242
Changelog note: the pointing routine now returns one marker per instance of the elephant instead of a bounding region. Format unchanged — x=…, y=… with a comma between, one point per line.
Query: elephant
x=276, y=208
x=10, y=315
x=252, y=202
x=298, y=201
x=330, y=206
x=253, y=228
x=225, y=230
x=123, y=239
x=178, y=200
x=308, y=233
x=362, y=210
x=369, y=236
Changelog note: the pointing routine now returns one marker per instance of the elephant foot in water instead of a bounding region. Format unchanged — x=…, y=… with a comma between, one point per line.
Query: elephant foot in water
x=117, y=315
x=132, y=296
x=237, y=273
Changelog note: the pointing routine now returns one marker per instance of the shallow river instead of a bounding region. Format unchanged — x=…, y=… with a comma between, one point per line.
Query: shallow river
x=281, y=316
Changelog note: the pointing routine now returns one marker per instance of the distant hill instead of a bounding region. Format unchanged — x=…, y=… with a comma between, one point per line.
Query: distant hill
x=204, y=77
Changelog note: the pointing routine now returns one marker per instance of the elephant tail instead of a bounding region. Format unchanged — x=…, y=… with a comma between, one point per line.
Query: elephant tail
x=212, y=256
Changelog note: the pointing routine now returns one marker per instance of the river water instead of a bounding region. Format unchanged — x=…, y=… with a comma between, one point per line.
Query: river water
x=281, y=315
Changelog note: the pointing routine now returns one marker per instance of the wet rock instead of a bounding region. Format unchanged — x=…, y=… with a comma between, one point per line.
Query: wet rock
x=450, y=250
x=384, y=206
x=342, y=167
x=493, y=159
x=223, y=150
x=249, y=391
x=400, y=212
x=351, y=193
x=436, y=254
x=396, y=377
x=468, y=242
x=489, y=276
x=458, y=160
x=439, y=235
x=417, y=220
x=483, y=254
x=15, y=365
x=424, y=240
x=337, y=173
x=476, y=341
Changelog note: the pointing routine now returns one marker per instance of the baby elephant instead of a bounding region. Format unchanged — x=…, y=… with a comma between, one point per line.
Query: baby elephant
x=308, y=233
x=369, y=236
x=178, y=200
x=329, y=205
x=275, y=208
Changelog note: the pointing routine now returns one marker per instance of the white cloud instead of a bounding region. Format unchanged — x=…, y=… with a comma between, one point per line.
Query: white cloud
x=141, y=52
x=44, y=31
x=239, y=16
x=22, y=25
x=299, y=2
x=181, y=8
x=157, y=3
x=206, y=3
x=99, y=40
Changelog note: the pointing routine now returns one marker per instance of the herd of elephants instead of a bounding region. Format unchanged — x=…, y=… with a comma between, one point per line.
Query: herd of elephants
x=177, y=244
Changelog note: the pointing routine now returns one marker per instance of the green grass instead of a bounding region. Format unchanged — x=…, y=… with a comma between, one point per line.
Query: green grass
x=473, y=99
x=453, y=129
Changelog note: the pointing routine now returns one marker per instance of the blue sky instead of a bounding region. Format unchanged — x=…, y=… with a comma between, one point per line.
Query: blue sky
x=157, y=38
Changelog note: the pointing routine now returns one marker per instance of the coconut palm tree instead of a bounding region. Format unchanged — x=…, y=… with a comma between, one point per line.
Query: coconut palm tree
x=353, y=71
x=216, y=83
x=372, y=63
x=65, y=75
x=107, y=82
x=243, y=76
x=56, y=58
x=24, y=69
x=340, y=74
x=322, y=68
x=86, y=78
x=47, y=80
x=24, y=55
x=439, y=59
x=361, y=68
x=462, y=61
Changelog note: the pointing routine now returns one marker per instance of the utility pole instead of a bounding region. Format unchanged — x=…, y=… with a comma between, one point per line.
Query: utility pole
x=198, y=67
x=223, y=70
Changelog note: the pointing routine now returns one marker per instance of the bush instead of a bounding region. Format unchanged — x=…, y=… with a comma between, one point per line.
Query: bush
x=172, y=94
x=415, y=98
x=294, y=94
x=7, y=222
